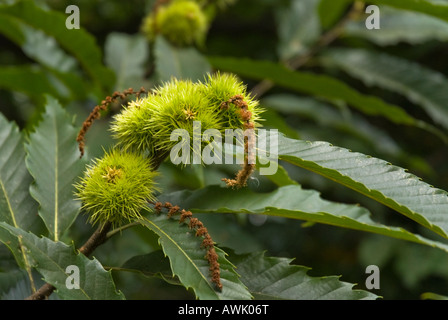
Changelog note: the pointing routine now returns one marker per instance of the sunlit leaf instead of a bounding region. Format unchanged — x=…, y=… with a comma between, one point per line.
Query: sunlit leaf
x=373, y=177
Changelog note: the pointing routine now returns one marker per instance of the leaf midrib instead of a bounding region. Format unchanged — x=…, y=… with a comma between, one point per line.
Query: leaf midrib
x=182, y=251
x=22, y=252
x=8, y=203
x=56, y=183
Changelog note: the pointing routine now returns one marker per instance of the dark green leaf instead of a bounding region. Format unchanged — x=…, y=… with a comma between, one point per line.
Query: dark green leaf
x=36, y=44
x=188, y=263
x=17, y=207
x=375, y=178
x=270, y=278
x=8, y=280
x=51, y=259
x=321, y=86
x=46, y=51
x=54, y=162
x=60, y=78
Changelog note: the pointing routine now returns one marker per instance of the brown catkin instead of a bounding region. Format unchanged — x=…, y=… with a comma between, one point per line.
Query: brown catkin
x=201, y=231
x=248, y=168
x=96, y=113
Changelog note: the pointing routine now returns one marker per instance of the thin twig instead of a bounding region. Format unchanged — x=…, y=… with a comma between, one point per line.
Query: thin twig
x=44, y=292
x=96, y=239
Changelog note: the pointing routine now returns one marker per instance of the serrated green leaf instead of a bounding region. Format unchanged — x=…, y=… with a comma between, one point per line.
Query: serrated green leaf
x=77, y=42
x=17, y=207
x=267, y=278
x=290, y=202
x=270, y=278
x=188, y=262
x=53, y=160
x=181, y=63
x=321, y=86
x=373, y=177
x=319, y=121
x=51, y=259
x=420, y=85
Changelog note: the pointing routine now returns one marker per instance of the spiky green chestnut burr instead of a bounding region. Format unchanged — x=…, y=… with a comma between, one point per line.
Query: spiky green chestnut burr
x=132, y=127
x=219, y=89
x=146, y=125
x=116, y=188
x=182, y=22
x=179, y=105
